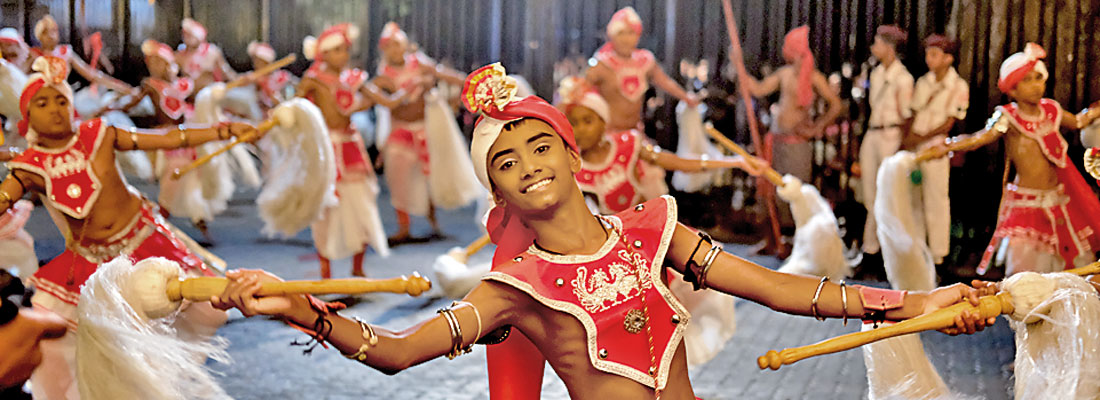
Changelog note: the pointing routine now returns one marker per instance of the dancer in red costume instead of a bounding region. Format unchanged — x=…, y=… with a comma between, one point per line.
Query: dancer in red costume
x=1049, y=217
x=405, y=153
x=622, y=169
x=73, y=169
x=49, y=40
x=14, y=49
x=270, y=87
x=588, y=290
x=199, y=60
x=623, y=72
x=338, y=91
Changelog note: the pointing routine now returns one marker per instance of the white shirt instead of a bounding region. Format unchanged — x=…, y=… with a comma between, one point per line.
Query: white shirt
x=891, y=92
x=934, y=101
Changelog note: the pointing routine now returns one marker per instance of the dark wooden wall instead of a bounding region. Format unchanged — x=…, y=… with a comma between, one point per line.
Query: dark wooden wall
x=530, y=36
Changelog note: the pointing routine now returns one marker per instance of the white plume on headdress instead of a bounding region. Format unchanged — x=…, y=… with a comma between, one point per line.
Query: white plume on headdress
x=309, y=47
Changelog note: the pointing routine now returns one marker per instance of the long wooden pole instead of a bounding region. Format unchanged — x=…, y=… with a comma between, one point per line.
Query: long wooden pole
x=757, y=143
x=262, y=128
x=201, y=289
x=770, y=174
x=989, y=306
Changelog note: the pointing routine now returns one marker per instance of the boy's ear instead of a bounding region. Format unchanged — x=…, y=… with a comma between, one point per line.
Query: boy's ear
x=574, y=161
x=950, y=59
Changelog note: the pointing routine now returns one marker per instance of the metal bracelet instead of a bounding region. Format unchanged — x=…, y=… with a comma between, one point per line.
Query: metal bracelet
x=369, y=338
x=476, y=315
x=817, y=295
x=183, y=136
x=844, y=300
x=456, y=334
x=707, y=261
x=133, y=138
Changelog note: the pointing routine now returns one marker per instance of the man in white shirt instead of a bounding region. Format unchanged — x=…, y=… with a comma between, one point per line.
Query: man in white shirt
x=891, y=92
x=940, y=99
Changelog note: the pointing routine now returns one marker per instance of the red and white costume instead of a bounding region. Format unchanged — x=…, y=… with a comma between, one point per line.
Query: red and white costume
x=1046, y=230
x=1063, y=222
x=269, y=87
x=347, y=227
x=203, y=58
x=631, y=74
x=603, y=290
x=405, y=153
x=622, y=179
x=72, y=189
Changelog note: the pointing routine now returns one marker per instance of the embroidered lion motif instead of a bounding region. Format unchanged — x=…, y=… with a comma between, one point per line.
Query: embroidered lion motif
x=613, y=284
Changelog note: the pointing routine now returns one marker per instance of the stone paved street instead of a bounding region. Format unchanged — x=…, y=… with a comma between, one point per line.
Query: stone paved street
x=265, y=367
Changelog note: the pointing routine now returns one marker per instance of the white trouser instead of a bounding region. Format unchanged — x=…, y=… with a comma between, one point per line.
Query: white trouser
x=878, y=144
x=937, y=205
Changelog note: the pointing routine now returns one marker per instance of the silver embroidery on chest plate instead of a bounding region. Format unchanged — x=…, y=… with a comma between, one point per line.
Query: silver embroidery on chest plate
x=613, y=285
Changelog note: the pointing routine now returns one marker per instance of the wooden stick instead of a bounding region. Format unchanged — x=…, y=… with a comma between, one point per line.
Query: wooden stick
x=990, y=306
x=476, y=246
x=769, y=173
x=201, y=289
x=262, y=128
x=1090, y=269
x=267, y=69
x=757, y=143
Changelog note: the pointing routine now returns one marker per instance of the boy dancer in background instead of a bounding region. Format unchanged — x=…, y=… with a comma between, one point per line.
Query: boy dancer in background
x=623, y=72
x=619, y=339
x=345, y=230
x=1049, y=219
x=405, y=153
x=199, y=60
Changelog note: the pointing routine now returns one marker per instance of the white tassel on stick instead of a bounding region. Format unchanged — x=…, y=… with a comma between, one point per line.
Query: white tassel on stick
x=301, y=180
x=898, y=367
x=452, y=181
x=123, y=353
x=818, y=249
x=1057, y=324
x=693, y=143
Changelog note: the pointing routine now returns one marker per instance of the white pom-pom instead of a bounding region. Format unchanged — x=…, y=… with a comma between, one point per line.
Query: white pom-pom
x=148, y=284
x=1090, y=135
x=284, y=113
x=217, y=91
x=353, y=33
x=309, y=47
x=1029, y=291
x=792, y=188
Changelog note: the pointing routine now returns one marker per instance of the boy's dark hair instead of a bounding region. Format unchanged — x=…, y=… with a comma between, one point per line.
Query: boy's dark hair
x=892, y=34
x=942, y=42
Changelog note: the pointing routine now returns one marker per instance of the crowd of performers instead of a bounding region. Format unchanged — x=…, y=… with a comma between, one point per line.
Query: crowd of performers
x=587, y=240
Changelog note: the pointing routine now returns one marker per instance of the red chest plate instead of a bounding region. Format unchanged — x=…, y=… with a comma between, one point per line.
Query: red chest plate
x=71, y=185
x=173, y=96
x=1042, y=129
x=631, y=74
x=344, y=87
x=604, y=292
x=613, y=182
x=403, y=76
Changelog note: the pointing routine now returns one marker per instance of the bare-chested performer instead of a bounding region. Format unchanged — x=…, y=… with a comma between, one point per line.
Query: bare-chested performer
x=799, y=83
x=1049, y=217
x=623, y=72
x=49, y=40
x=199, y=60
x=589, y=291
